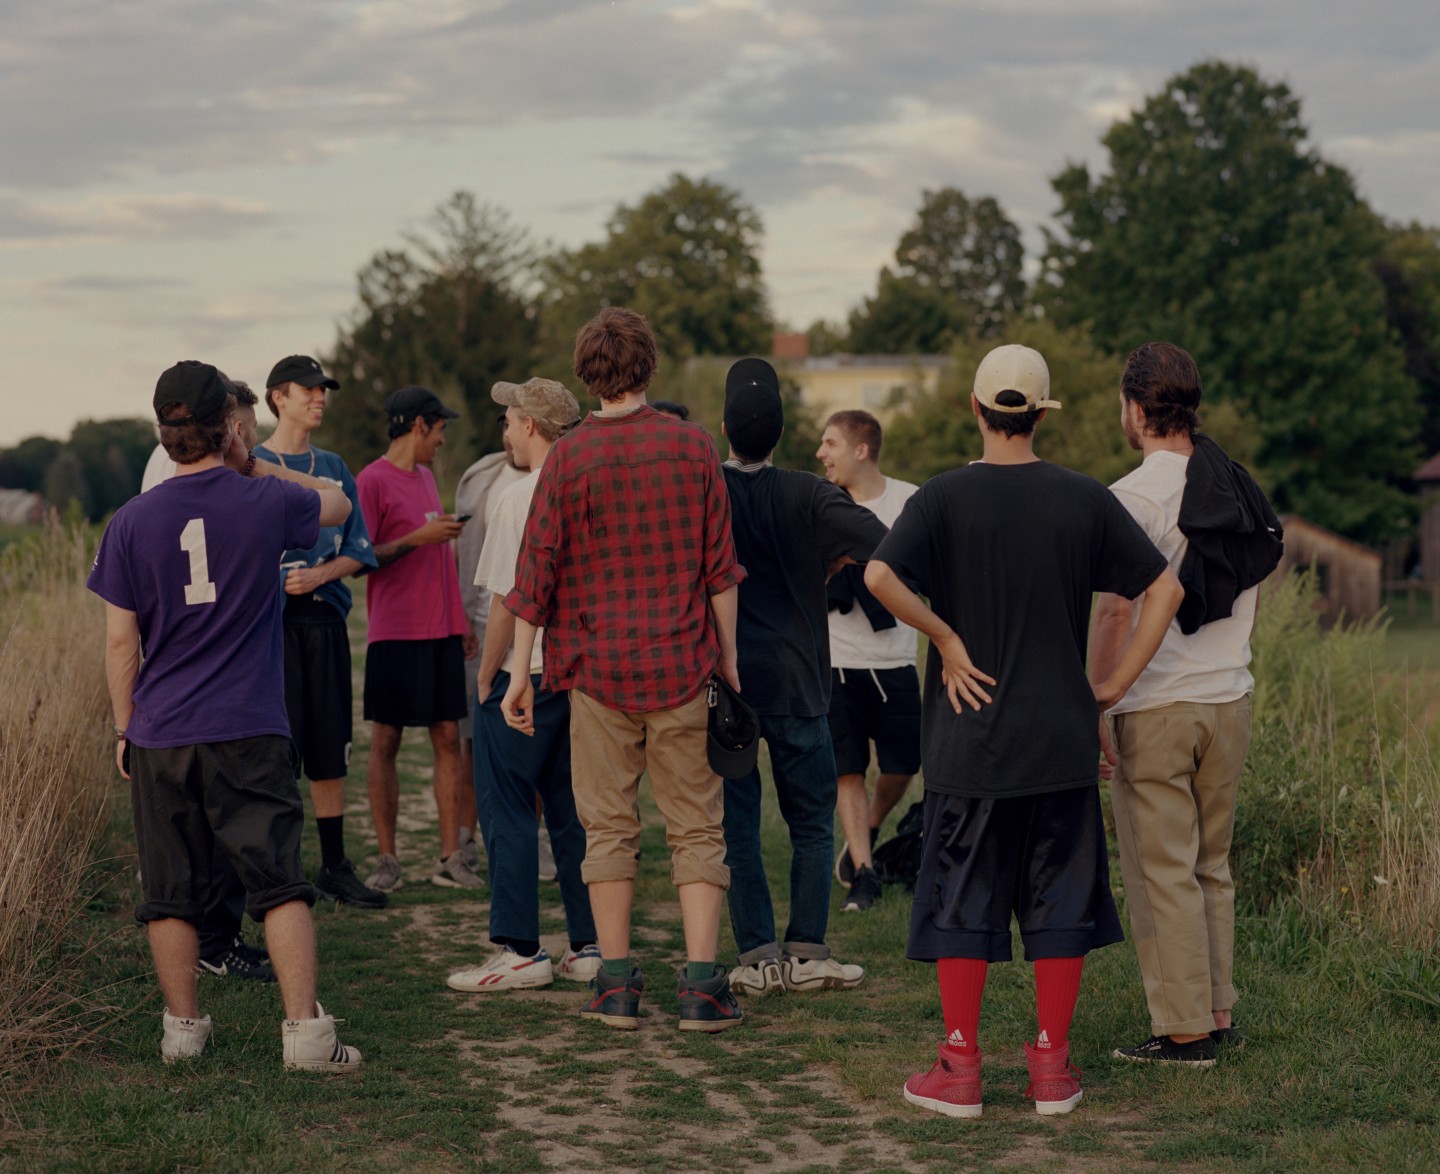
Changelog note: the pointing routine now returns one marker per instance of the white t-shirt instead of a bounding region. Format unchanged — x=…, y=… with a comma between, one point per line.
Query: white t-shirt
x=157, y=469
x=504, y=534
x=854, y=644
x=1210, y=666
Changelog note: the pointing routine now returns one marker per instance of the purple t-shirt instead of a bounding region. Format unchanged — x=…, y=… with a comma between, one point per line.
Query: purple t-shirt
x=195, y=560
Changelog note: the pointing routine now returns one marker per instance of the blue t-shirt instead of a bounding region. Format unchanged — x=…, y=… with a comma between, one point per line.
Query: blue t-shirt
x=194, y=559
x=352, y=540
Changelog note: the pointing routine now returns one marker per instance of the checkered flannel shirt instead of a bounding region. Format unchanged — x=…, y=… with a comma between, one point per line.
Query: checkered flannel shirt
x=628, y=537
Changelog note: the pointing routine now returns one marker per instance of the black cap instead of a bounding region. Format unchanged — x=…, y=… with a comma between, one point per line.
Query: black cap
x=754, y=417
x=195, y=385
x=733, y=740
x=410, y=402
x=301, y=369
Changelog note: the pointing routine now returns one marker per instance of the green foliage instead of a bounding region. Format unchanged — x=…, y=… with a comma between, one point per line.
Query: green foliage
x=957, y=272
x=1409, y=269
x=24, y=466
x=452, y=311
x=938, y=431
x=93, y=473
x=686, y=257
x=1217, y=228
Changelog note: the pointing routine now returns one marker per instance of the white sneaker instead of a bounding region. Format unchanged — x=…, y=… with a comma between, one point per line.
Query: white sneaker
x=582, y=965
x=311, y=1045
x=453, y=873
x=386, y=877
x=548, y=871
x=507, y=971
x=757, y=978
x=820, y=974
x=183, y=1038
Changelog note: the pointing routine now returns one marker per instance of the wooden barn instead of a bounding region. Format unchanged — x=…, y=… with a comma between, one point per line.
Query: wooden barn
x=1348, y=574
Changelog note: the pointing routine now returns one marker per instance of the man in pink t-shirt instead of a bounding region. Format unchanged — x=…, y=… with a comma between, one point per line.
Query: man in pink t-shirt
x=418, y=638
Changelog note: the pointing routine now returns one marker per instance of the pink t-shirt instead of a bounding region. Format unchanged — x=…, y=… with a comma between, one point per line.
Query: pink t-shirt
x=417, y=597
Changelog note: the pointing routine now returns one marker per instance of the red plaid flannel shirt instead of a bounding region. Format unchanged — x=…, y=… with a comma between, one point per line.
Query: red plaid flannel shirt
x=628, y=537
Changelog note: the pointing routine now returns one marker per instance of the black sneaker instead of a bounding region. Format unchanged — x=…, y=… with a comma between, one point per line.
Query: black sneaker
x=708, y=1004
x=341, y=884
x=239, y=961
x=845, y=866
x=1228, y=1037
x=864, y=891
x=615, y=1001
x=1161, y=1049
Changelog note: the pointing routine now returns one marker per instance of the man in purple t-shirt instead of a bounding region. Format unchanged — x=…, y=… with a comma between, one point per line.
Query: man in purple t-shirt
x=187, y=573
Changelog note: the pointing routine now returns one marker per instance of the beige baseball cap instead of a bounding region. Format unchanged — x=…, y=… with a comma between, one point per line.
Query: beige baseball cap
x=541, y=399
x=1014, y=368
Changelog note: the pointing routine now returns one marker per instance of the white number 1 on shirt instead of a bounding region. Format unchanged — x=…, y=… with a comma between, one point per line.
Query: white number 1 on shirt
x=192, y=542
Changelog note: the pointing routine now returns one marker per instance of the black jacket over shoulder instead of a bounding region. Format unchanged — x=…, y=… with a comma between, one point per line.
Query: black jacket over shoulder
x=1235, y=538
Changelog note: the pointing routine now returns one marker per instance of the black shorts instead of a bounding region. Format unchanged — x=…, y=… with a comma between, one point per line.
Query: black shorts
x=1041, y=858
x=318, y=693
x=882, y=705
x=240, y=795
x=415, y=682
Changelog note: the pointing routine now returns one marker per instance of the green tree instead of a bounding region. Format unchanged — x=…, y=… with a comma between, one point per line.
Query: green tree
x=25, y=465
x=1409, y=269
x=112, y=456
x=686, y=257
x=957, y=272
x=454, y=311
x=1217, y=228
x=938, y=430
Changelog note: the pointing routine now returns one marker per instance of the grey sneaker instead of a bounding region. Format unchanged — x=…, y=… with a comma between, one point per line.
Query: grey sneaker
x=469, y=850
x=453, y=873
x=820, y=974
x=386, y=877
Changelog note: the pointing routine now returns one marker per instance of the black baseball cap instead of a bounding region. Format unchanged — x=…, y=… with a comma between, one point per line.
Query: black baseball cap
x=301, y=369
x=732, y=742
x=192, y=384
x=754, y=417
x=412, y=401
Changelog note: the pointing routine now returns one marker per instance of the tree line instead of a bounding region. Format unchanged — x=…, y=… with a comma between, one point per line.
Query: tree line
x=1214, y=223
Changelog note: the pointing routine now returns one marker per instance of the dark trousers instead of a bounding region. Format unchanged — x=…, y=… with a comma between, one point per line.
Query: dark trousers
x=224, y=907
x=803, y=764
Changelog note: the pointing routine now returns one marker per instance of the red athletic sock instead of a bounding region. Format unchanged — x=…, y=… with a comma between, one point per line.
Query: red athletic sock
x=962, y=983
x=1057, y=986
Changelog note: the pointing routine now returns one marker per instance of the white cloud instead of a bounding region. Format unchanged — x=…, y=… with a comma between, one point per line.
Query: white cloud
x=104, y=218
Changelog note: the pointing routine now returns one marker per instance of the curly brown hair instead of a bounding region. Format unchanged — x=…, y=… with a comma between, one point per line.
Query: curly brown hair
x=615, y=353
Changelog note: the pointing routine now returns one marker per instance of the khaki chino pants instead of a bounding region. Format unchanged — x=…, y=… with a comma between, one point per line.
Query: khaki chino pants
x=609, y=750
x=1174, y=800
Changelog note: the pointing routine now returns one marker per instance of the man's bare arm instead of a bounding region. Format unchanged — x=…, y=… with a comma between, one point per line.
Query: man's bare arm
x=304, y=580
x=499, y=632
x=1161, y=601
x=1109, y=629
x=122, y=666
x=433, y=532
x=961, y=678
x=726, y=605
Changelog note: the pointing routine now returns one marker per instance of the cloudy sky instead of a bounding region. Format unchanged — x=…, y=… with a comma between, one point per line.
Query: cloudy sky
x=198, y=178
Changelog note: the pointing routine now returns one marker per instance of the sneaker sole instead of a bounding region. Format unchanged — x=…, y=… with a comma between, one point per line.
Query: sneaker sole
x=710, y=1026
x=1054, y=1108
x=444, y=882
x=319, y=1066
x=503, y=984
x=372, y=883
x=619, y=1022
x=1120, y=1055
x=945, y=1107
x=851, y=907
x=824, y=984
x=577, y=975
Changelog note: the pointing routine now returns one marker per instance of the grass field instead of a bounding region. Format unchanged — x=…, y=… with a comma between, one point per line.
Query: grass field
x=1339, y=1073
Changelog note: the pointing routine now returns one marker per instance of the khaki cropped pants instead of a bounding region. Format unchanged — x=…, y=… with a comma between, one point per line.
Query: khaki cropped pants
x=1174, y=801
x=609, y=750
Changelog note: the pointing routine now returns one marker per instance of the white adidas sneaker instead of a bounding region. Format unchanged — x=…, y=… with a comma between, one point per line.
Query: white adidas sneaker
x=311, y=1045
x=183, y=1038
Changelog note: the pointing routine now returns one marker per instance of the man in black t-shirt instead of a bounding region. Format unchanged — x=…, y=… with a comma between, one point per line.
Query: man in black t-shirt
x=1009, y=551
x=792, y=530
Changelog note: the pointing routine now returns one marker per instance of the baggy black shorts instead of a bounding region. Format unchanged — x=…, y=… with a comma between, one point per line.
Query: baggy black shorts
x=240, y=795
x=415, y=682
x=1039, y=858
x=318, y=692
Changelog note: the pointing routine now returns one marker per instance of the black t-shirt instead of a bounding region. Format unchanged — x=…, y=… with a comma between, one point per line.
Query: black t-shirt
x=789, y=528
x=1009, y=556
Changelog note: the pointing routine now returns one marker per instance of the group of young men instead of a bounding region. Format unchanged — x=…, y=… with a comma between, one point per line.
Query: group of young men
x=614, y=580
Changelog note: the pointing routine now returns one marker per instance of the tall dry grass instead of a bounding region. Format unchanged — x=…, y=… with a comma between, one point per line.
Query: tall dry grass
x=1338, y=825
x=55, y=780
